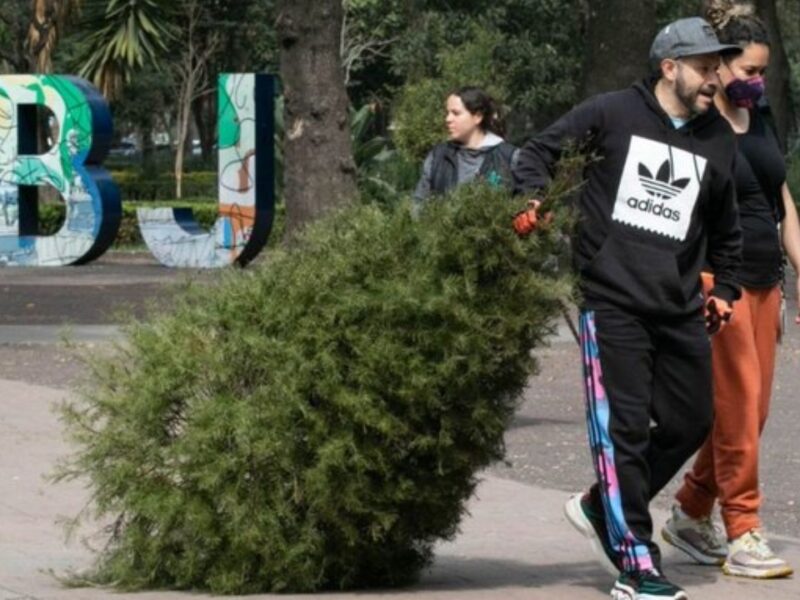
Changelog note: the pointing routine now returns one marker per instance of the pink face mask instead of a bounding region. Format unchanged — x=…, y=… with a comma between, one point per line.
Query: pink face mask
x=745, y=93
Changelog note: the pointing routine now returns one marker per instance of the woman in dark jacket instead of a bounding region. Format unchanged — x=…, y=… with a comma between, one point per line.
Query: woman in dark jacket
x=475, y=147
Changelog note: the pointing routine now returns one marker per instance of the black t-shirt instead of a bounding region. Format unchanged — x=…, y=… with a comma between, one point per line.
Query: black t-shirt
x=760, y=174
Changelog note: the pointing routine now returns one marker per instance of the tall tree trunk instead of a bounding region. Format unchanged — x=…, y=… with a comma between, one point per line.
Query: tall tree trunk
x=192, y=75
x=319, y=171
x=145, y=134
x=48, y=17
x=204, y=110
x=184, y=113
x=41, y=35
x=778, y=74
x=619, y=36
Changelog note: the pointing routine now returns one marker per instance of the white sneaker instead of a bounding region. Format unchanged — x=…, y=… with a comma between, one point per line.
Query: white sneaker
x=749, y=555
x=699, y=538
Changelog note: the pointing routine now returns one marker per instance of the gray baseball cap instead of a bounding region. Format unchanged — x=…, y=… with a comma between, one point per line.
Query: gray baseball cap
x=687, y=37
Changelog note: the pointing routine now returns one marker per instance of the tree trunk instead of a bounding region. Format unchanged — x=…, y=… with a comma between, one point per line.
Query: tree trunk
x=778, y=74
x=187, y=89
x=145, y=134
x=319, y=171
x=191, y=75
x=205, y=119
x=41, y=35
x=618, y=43
x=184, y=113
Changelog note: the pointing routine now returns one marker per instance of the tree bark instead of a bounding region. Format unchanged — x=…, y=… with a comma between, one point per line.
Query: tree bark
x=192, y=76
x=205, y=119
x=619, y=35
x=319, y=171
x=779, y=90
x=184, y=112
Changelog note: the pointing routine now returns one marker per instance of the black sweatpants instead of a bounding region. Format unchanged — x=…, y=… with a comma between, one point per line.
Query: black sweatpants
x=649, y=408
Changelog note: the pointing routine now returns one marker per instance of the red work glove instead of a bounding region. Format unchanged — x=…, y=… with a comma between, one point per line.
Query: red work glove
x=527, y=221
x=718, y=312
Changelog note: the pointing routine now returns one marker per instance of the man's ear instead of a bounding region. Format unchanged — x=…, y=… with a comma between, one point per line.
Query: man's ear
x=669, y=69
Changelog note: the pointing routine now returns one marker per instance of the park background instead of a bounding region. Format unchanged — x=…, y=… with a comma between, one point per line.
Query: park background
x=386, y=66
x=393, y=62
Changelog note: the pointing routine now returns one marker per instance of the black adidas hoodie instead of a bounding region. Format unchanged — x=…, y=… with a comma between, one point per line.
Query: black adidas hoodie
x=657, y=205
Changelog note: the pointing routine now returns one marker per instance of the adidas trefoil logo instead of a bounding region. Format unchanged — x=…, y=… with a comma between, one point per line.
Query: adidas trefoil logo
x=653, y=194
x=660, y=186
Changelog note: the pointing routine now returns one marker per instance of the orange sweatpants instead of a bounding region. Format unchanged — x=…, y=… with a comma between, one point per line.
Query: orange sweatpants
x=743, y=361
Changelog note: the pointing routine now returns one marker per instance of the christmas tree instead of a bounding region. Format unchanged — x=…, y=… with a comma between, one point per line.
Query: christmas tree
x=318, y=421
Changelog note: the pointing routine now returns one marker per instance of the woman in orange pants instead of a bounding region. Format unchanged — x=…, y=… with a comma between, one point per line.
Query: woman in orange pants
x=743, y=354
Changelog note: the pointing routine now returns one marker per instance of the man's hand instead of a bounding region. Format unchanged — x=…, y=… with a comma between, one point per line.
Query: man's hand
x=718, y=312
x=528, y=220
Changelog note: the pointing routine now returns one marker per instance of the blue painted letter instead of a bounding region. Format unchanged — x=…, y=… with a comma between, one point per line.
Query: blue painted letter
x=81, y=138
x=246, y=185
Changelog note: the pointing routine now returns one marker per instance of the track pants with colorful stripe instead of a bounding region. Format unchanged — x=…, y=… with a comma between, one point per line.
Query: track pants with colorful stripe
x=649, y=408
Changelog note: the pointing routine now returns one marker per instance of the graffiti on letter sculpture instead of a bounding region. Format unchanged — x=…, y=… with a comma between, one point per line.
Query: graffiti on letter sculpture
x=246, y=185
x=79, y=135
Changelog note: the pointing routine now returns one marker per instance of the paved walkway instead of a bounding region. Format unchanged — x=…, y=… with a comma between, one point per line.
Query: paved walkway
x=98, y=293
x=52, y=334
x=514, y=544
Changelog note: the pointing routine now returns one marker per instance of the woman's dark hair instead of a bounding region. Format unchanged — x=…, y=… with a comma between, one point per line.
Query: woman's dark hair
x=736, y=22
x=475, y=100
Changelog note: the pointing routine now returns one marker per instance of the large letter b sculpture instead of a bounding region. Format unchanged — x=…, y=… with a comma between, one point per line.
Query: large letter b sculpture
x=79, y=135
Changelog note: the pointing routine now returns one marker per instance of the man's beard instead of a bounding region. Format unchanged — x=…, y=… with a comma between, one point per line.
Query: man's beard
x=689, y=97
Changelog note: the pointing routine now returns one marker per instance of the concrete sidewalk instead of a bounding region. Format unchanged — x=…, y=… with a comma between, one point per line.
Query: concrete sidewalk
x=514, y=544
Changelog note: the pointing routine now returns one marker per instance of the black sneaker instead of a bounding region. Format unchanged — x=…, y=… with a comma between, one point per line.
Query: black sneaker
x=592, y=525
x=645, y=585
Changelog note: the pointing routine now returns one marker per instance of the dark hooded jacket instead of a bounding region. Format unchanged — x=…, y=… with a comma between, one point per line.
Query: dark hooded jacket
x=450, y=164
x=657, y=205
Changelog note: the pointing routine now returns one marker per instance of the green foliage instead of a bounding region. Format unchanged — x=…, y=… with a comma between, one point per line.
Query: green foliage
x=789, y=12
x=418, y=119
x=123, y=36
x=317, y=422
x=536, y=50
x=368, y=148
x=671, y=10
x=542, y=54
x=432, y=32
x=473, y=61
x=546, y=81
x=372, y=29
x=136, y=185
x=51, y=217
x=14, y=21
x=384, y=175
x=388, y=181
x=205, y=210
